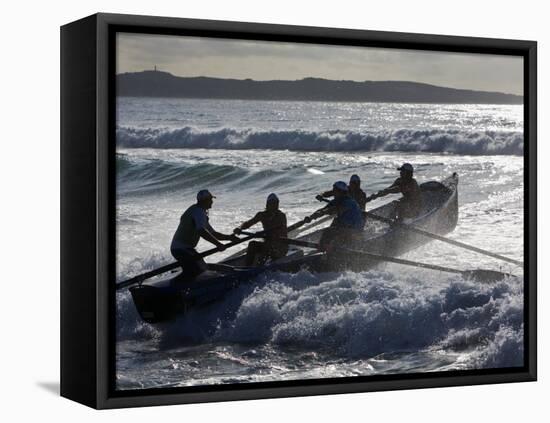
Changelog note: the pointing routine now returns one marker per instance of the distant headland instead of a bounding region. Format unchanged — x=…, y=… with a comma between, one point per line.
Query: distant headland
x=156, y=83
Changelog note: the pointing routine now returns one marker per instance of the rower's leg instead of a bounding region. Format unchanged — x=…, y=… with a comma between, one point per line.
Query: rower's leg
x=275, y=252
x=255, y=248
x=192, y=264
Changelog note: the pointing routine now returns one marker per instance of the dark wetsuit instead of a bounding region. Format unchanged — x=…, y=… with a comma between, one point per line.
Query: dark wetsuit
x=349, y=222
x=359, y=196
x=186, y=239
x=411, y=203
x=274, y=225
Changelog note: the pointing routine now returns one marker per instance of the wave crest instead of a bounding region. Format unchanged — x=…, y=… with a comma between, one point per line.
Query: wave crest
x=403, y=140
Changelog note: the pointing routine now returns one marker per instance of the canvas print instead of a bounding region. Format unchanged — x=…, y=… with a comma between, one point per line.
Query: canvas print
x=291, y=211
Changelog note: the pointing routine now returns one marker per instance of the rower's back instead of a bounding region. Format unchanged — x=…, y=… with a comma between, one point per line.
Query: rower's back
x=274, y=223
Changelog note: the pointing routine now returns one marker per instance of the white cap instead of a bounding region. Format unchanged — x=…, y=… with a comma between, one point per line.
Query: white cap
x=272, y=197
x=203, y=194
x=340, y=186
x=355, y=178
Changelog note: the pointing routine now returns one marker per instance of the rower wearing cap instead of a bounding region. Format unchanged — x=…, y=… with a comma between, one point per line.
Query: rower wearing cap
x=193, y=226
x=411, y=204
x=355, y=192
x=274, y=225
x=349, y=220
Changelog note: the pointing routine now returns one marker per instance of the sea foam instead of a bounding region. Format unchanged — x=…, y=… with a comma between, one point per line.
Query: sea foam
x=359, y=316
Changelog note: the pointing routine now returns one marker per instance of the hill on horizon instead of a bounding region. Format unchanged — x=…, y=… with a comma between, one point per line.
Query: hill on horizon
x=163, y=84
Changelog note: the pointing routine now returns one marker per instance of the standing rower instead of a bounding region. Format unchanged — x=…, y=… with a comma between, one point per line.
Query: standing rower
x=355, y=192
x=274, y=225
x=410, y=205
x=193, y=226
x=349, y=221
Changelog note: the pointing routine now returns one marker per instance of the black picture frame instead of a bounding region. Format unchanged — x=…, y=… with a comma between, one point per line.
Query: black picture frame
x=88, y=198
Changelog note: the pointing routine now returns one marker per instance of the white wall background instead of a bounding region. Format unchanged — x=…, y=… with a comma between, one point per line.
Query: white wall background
x=29, y=166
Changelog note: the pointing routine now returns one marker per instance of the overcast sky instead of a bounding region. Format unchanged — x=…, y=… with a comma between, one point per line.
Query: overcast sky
x=265, y=60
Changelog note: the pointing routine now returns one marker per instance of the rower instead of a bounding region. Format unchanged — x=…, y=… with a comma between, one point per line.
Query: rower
x=274, y=225
x=193, y=226
x=349, y=221
x=410, y=205
x=355, y=192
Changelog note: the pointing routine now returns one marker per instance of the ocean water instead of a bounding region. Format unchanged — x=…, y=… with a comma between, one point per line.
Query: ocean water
x=391, y=319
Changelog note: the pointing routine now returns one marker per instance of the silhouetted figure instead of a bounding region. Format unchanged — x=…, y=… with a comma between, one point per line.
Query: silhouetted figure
x=355, y=192
x=193, y=226
x=410, y=205
x=274, y=225
x=348, y=223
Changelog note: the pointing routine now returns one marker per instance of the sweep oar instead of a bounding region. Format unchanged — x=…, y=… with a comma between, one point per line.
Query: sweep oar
x=443, y=239
x=479, y=274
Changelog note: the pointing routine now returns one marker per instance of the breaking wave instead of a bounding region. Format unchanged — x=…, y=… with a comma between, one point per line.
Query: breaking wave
x=358, y=316
x=404, y=140
x=362, y=315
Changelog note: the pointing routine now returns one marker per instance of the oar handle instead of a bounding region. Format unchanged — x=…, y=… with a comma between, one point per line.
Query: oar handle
x=369, y=198
x=290, y=229
x=374, y=196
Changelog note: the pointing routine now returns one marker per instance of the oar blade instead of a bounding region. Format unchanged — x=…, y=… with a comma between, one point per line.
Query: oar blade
x=485, y=275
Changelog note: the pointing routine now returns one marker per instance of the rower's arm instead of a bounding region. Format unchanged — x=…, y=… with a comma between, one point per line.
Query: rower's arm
x=329, y=209
x=394, y=188
x=390, y=190
x=251, y=222
x=223, y=237
x=211, y=237
x=326, y=194
x=218, y=235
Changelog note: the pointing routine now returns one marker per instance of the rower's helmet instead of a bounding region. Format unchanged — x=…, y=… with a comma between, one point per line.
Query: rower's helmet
x=407, y=167
x=340, y=186
x=204, y=194
x=272, y=197
x=354, y=178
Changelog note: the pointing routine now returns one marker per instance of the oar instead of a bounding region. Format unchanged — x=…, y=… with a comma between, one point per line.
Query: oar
x=290, y=229
x=479, y=274
x=443, y=239
x=435, y=236
x=296, y=226
x=315, y=223
x=140, y=278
